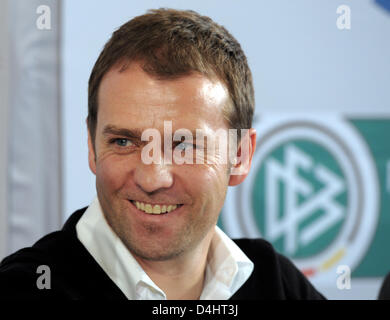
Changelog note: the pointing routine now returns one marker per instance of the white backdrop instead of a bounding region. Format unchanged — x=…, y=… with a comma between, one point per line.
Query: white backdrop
x=3, y=125
x=32, y=110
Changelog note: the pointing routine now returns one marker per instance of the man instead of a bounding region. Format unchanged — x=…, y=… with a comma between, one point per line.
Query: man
x=151, y=233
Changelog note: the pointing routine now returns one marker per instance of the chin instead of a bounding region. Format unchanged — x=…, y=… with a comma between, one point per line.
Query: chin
x=159, y=253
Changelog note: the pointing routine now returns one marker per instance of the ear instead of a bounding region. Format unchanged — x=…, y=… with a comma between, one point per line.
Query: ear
x=91, y=154
x=240, y=169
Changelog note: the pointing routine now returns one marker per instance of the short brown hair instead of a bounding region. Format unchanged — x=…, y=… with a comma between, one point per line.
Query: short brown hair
x=172, y=43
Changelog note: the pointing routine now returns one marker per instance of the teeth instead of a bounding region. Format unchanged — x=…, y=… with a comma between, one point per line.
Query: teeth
x=155, y=209
x=148, y=208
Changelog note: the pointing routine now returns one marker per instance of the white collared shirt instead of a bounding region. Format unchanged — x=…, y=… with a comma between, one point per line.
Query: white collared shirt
x=227, y=266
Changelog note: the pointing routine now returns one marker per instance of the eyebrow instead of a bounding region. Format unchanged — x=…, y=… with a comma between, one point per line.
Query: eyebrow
x=114, y=130
x=137, y=133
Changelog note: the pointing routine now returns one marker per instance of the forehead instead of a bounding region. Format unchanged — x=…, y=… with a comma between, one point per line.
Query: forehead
x=132, y=97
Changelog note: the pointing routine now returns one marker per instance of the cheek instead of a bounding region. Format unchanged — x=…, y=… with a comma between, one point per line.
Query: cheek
x=210, y=182
x=217, y=174
x=110, y=174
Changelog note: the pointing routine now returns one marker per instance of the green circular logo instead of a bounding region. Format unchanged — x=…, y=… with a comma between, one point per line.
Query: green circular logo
x=295, y=187
x=309, y=194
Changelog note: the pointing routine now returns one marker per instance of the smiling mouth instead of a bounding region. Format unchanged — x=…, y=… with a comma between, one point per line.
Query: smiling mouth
x=155, y=208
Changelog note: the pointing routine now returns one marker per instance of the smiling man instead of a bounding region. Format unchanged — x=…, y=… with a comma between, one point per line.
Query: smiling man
x=173, y=244
x=151, y=232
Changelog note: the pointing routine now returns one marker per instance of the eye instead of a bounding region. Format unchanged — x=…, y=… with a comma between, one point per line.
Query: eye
x=122, y=142
x=185, y=146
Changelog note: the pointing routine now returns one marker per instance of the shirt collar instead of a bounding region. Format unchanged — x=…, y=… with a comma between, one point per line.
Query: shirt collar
x=227, y=266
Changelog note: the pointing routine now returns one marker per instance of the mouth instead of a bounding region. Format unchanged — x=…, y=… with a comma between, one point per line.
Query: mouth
x=155, y=209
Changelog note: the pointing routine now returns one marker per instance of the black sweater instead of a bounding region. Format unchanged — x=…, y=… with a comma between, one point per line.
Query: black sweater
x=75, y=274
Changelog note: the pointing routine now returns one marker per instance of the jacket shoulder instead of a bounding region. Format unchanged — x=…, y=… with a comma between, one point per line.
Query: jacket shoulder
x=73, y=272
x=20, y=271
x=274, y=275
x=384, y=292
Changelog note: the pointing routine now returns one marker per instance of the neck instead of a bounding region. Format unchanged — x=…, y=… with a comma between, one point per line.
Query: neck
x=181, y=278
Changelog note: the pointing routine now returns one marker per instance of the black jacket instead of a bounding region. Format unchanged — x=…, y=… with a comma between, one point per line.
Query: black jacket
x=76, y=275
x=384, y=293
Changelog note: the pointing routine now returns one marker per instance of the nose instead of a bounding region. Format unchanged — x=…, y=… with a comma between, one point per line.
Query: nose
x=153, y=177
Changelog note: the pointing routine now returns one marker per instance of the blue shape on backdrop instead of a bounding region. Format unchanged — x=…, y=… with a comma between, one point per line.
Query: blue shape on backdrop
x=385, y=4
